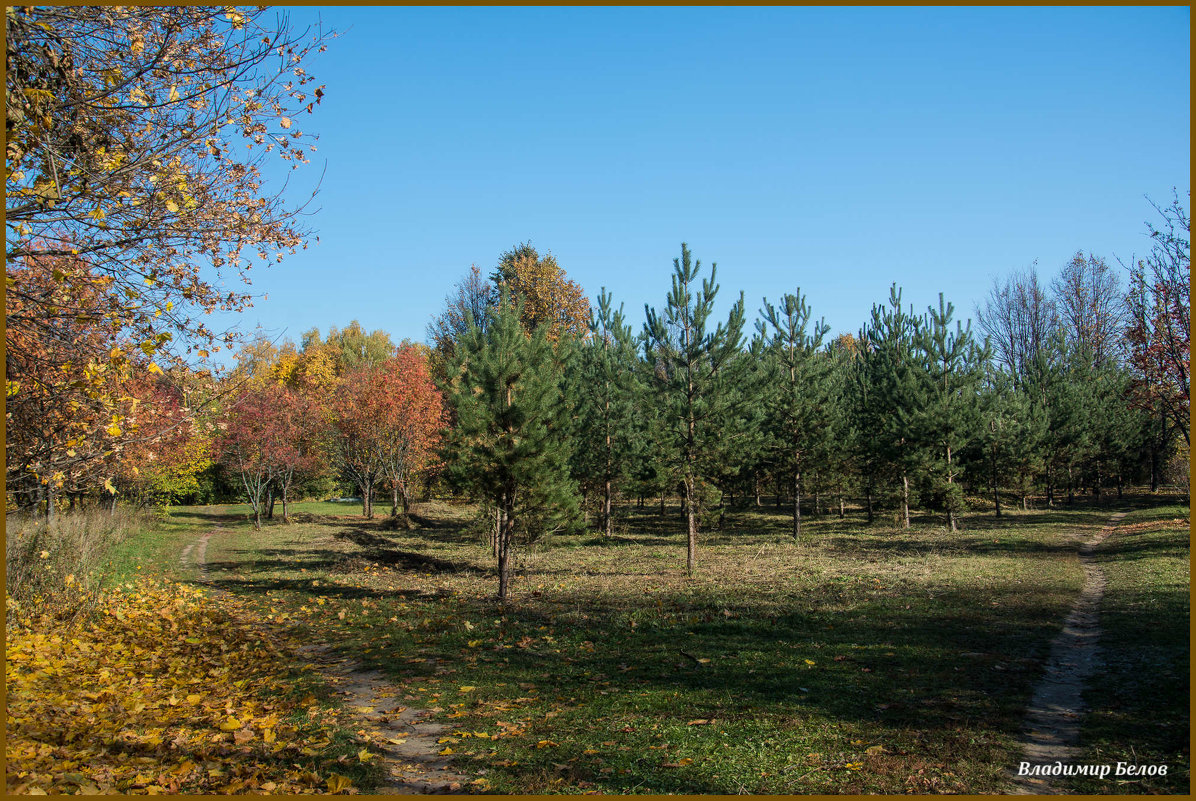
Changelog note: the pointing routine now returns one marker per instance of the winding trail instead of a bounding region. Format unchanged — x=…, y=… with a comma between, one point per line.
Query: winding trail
x=1052, y=724
x=406, y=740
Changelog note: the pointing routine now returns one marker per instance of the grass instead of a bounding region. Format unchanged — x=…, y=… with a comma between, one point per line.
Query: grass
x=1139, y=702
x=864, y=659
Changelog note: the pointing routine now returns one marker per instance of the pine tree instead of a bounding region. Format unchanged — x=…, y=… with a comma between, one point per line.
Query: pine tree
x=606, y=384
x=950, y=374
x=510, y=444
x=796, y=407
x=889, y=405
x=695, y=370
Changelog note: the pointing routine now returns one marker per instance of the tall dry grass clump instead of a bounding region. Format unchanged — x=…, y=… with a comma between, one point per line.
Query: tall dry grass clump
x=57, y=568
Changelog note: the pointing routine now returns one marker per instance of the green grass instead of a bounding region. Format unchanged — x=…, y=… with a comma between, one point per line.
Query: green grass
x=1139, y=702
x=864, y=659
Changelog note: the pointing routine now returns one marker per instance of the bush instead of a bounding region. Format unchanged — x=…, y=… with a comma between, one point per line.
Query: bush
x=58, y=569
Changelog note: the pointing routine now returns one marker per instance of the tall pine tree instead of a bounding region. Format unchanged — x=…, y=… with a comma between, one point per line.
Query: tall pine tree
x=796, y=403
x=695, y=371
x=510, y=441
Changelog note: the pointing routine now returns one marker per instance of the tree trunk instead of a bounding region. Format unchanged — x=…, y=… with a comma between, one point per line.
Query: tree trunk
x=868, y=500
x=270, y=503
x=691, y=525
x=951, y=521
x=904, y=501
x=1118, y=485
x=504, y=543
x=496, y=532
x=285, y=519
x=394, y=499
x=996, y=495
x=756, y=484
x=50, y=510
x=365, y=500
x=1071, y=486
x=842, y=510
x=796, y=506
x=607, y=525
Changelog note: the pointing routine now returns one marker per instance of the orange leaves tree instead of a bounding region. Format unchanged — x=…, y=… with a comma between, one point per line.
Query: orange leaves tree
x=272, y=434
x=137, y=139
x=387, y=422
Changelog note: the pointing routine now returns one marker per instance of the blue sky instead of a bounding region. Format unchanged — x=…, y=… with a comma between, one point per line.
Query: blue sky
x=838, y=150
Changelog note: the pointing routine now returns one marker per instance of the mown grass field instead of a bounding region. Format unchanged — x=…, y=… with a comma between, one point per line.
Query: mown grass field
x=861, y=660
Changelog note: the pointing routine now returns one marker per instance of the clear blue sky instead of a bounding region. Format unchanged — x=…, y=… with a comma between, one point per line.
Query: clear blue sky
x=837, y=150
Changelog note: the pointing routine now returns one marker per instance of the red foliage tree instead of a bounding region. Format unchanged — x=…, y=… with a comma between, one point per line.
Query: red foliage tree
x=270, y=437
x=388, y=421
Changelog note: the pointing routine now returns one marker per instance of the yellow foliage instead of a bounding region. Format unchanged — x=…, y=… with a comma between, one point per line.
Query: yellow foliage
x=163, y=691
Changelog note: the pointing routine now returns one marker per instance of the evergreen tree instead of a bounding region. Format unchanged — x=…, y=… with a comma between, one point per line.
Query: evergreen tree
x=1012, y=428
x=889, y=405
x=509, y=444
x=796, y=405
x=951, y=371
x=695, y=370
x=606, y=384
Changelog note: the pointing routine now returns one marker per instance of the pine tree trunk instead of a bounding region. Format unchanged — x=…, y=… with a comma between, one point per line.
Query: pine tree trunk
x=1071, y=486
x=1119, y=485
x=504, y=544
x=905, y=501
x=996, y=495
x=607, y=525
x=842, y=510
x=497, y=531
x=756, y=485
x=868, y=492
x=691, y=524
x=796, y=506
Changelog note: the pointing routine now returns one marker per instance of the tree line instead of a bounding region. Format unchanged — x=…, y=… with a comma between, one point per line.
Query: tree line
x=135, y=199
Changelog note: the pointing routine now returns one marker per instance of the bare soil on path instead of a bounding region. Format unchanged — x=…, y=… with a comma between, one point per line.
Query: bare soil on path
x=405, y=739
x=1052, y=725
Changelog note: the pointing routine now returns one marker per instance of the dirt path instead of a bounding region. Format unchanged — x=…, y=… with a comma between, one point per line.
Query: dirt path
x=407, y=742
x=1052, y=725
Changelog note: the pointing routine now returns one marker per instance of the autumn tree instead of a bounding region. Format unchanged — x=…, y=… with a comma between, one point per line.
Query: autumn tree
x=509, y=444
x=269, y=437
x=137, y=139
x=1091, y=307
x=1159, y=312
x=1019, y=317
x=412, y=414
x=469, y=303
x=546, y=296
x=695, y=369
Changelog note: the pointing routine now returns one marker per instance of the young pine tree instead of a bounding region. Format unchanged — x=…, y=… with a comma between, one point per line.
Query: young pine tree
x=890, y=406
x=797, y=404
x=510, y=443
x=695, y=372
x=605, y=383
x=951, y=371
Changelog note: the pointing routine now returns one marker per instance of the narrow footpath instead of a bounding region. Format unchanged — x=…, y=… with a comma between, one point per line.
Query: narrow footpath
x=405, y=739
x=1052, y=725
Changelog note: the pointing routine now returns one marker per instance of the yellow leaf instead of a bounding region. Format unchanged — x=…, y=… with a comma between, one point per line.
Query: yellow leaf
x=446, y=751
x=364, y=756
x=467, y=688
x=474, y=643
x=113, y=431
x=232, y=724
x=153, y=368
x=336, y=783
x=284, y=122
x=172, y=207
x=174, y=93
